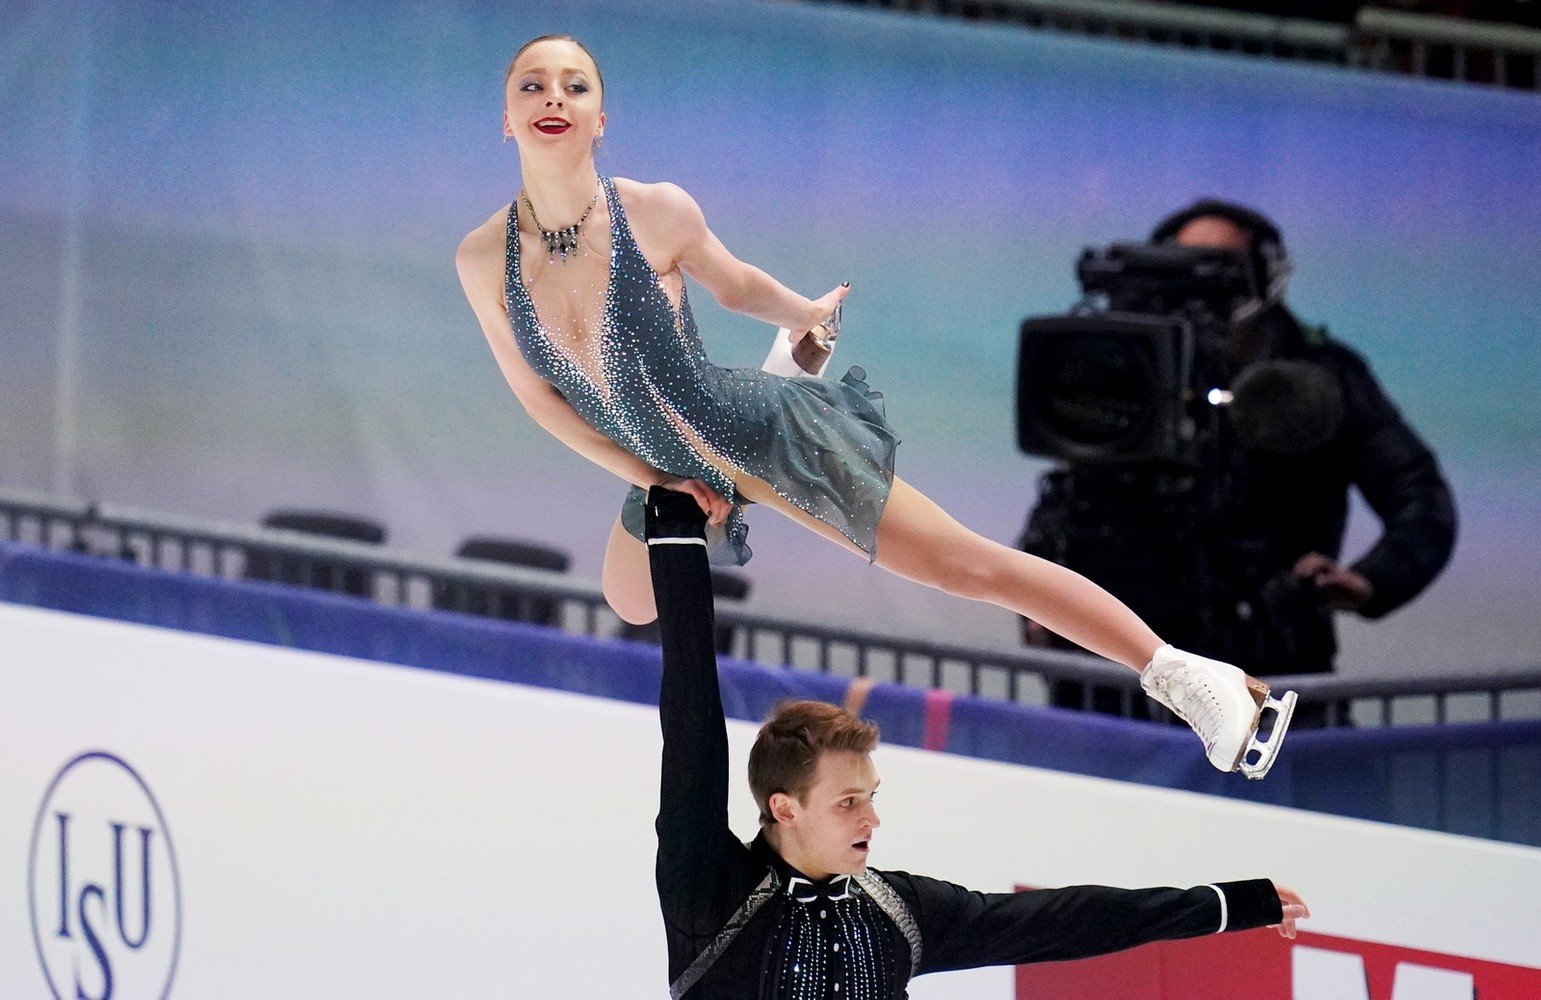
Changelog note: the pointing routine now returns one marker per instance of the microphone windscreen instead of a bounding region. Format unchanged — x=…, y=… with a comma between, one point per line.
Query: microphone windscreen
x=1286, y=406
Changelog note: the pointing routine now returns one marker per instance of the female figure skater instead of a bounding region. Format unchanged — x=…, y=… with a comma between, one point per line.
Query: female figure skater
x=579, y=288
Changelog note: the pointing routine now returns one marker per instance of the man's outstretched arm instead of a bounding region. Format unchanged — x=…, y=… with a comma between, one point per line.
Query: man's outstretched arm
x=699, y=881
x=962, y=929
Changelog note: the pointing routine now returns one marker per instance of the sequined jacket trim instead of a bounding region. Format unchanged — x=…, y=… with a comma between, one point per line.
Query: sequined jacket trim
x=893, y=907
x=709, y=955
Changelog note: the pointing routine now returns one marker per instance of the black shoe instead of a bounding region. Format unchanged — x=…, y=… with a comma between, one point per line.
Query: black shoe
x=672, y=514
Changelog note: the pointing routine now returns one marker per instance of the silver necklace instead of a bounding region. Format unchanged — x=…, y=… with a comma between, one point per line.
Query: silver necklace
x=560, y=242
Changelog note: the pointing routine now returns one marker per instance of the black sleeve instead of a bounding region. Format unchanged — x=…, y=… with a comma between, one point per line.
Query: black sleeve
x=701, y=867
x=1400, y=479
x=962, y=929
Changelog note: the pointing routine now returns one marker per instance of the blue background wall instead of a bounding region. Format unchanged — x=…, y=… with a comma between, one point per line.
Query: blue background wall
x=227, y=232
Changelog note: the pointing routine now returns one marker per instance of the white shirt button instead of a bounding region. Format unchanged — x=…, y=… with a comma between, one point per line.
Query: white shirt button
x=837, y=987
x=823, y=914
x=837, y=945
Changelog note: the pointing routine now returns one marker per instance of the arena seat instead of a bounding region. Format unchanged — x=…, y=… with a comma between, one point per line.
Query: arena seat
x=505, y=602
x=336, y=575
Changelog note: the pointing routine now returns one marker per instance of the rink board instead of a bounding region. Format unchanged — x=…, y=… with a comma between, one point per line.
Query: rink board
x=297, y=824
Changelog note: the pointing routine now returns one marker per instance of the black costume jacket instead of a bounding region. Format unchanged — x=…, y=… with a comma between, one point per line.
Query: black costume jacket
x=835, y=939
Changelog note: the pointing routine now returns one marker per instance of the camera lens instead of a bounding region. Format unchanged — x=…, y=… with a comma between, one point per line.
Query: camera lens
x=1094, y=391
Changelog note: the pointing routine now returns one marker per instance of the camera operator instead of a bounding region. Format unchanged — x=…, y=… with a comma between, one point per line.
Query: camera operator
x=1240, y=556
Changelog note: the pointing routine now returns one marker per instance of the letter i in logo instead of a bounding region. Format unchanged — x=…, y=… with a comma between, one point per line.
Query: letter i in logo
x=107, y=865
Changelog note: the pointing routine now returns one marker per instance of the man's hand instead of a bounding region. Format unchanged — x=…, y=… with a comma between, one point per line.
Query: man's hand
x=711, y=502
x=1338, y=588
x=1294, y=909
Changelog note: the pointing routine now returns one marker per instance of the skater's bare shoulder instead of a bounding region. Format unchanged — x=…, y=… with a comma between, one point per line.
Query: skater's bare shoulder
x=671, y=231
x=664, y=218
x=657, y=201
x=480, y=257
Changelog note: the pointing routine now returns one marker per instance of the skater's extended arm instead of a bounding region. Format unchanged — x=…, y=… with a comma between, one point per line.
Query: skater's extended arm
x=667, y=214
x=962, y=929
x=703, y=872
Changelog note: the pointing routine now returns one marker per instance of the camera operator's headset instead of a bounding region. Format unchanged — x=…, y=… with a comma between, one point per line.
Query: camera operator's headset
x=1316, y=411
x=1271, y=265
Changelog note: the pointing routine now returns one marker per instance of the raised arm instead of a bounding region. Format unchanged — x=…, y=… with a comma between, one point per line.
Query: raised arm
x=702, y=874
x=479, y=261
x=962, y=929
x=669, y=218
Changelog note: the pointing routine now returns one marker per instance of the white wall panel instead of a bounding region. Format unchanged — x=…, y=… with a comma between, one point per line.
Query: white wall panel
x=348, y=829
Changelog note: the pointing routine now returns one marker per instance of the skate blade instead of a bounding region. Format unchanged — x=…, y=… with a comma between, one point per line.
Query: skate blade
x=1283, y=709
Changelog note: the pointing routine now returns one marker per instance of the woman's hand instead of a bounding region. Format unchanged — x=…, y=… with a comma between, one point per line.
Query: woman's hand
x=823, y=308
x=712, y=503
x=1294, y=909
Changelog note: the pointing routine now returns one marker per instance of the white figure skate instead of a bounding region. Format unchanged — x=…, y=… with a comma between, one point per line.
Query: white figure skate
x=815, y=349
x=1223, y=705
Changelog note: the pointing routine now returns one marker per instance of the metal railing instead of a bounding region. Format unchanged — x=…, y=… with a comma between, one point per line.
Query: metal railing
x=395, y=578
x=1381, y=40
x=1423, y=45
x=1160, y=23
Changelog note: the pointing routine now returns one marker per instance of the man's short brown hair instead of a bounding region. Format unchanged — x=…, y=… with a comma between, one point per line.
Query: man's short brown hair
x=787, y=750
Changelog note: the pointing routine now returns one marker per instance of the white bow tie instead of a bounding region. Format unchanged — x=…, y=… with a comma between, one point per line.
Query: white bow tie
x=805, y=891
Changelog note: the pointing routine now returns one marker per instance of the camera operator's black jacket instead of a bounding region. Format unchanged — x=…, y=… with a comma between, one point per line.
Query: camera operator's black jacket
x=1211, y=568
x=742, y=923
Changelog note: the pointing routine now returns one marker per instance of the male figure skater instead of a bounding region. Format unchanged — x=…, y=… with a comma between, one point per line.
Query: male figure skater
x=797, y=913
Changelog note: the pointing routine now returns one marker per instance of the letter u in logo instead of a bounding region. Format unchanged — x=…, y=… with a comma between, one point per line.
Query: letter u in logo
x=145, y=833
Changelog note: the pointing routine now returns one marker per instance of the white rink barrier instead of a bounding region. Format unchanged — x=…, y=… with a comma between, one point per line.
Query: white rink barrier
x=206, y=818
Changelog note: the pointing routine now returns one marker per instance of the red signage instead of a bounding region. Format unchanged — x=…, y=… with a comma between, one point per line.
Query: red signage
x=1261, y=965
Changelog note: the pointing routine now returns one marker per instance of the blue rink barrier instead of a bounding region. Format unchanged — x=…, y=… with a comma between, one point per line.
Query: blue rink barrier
x=1480, y=779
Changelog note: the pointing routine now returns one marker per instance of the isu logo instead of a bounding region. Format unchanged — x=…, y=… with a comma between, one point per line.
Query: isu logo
x=105, y=897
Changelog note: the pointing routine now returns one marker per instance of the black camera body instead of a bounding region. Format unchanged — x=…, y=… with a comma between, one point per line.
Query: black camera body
x=1127, y=375
x=1144, y=394
x=1105, y=387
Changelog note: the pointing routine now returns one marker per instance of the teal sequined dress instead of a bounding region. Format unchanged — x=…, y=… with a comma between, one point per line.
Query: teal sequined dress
x=638, y=374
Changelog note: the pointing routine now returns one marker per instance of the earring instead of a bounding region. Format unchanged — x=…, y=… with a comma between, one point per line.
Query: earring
x=506, y=137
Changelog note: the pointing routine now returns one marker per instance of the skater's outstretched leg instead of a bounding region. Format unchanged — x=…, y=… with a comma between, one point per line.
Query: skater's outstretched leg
x=918, y=540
